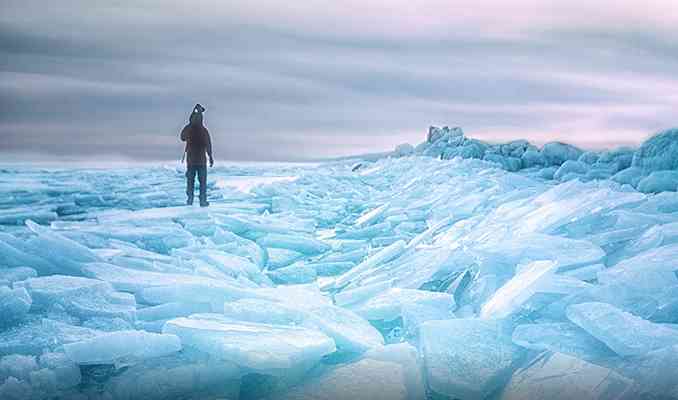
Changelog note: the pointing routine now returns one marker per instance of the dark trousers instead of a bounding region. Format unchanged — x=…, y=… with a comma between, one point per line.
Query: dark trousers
x=201, y=170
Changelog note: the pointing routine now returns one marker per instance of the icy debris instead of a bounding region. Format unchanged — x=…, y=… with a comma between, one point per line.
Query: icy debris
x=14, y=389
x=184, y=376
x=298, y=243
x=171, y=310
x=81, y=297
x=562, y=337
x=294, y=274
x=406, y=355
x=66, y=372
x=13, y=254
x=262, y=347
x=650, y=270
x=660, y=152
x=533, y=278
x=467, y=358
x=371, y=216
x=559, y=376
x=624, y=333
x=17, y=366
x=557, y=153
x=389, y=304
x=59, y=250
x=122, y=346
x=279, y=258
x=439, y=255
x=350, y=332
x=263, y=311
x=14, y=305
x=659, y=181
x=653, y=373
x=383, y=256
x=34, y=336
x=364, y=380
x=10, y=275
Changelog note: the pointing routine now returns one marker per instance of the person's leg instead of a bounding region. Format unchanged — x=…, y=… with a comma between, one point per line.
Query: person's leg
x=190, y=184
x=202, y=177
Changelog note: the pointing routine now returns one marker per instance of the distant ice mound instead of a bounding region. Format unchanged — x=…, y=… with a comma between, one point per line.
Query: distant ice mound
x=652, y=168
x=658, y=153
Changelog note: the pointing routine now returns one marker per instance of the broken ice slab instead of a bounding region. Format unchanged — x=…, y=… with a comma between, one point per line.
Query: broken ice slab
x=204, y=290
x=171, y=310
x=363, y=380
x=10, y=275
x=654, y=373
x=81, y=297
x=263, y=311
x=353, y=256
x=297, y=273
x=19, y=215
x=388, y=304
x=14, y=305
x=467, y=358
x=362, y=293
x=351, y=333
x=518, y=290
x=262, y=347
x=368, y=232
x=301, y=244
x=406, y=355
x=416, y=313
x=177, y=376
x=331, y=268
x=15, y=253
x=650, y=270
x=122, y=346
x=299, y=296
x=234, y=244
x=18, y=366
x=231, y=264
x=383, y=256
x=62, y=252
x=559, y=376
x=655, y=236
x=66, y=372
x=279, y=258
x=568, y=253
x=587, y=273
x=562, y=337
x=35, y=335
x=371, y=216
x=158, y=238
x=623, y=332
x=136, y=281
x=242, y=223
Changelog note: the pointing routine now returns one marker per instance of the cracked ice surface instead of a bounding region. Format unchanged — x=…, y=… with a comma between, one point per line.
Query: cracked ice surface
x=403, y=278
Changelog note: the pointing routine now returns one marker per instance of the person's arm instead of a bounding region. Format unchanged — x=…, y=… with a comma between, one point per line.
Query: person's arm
x=209, y=147
x=184, y=133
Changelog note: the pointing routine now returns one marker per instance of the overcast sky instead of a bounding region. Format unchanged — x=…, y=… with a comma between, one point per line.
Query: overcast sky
x=291, y=80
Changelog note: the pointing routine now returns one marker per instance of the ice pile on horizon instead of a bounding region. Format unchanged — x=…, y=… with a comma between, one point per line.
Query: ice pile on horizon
x=652, y=168
x=404, y=278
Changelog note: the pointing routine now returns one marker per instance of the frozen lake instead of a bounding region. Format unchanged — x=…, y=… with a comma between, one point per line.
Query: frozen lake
x=406, y=278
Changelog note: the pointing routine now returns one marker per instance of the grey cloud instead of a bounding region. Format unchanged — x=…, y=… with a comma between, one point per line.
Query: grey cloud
x=101, y=81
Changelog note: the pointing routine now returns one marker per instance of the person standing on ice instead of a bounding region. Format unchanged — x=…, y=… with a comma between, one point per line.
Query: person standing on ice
x=198, y=145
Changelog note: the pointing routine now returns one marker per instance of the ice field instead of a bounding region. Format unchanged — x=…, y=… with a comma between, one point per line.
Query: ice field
x=453, y=270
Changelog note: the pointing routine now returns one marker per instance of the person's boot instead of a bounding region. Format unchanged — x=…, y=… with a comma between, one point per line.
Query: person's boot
x=204, y=202
x=189, y=201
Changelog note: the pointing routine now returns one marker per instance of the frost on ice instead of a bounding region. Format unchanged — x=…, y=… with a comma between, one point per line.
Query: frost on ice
x=453, y=269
